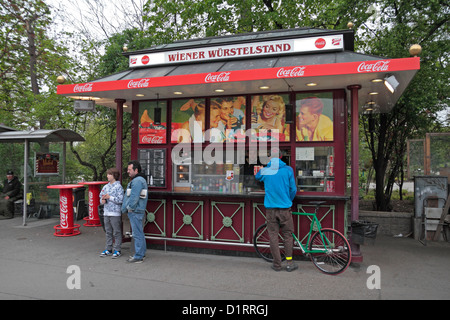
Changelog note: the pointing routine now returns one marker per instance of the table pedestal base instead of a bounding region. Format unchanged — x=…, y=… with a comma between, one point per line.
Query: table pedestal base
x=67, y=232
x=91, y=222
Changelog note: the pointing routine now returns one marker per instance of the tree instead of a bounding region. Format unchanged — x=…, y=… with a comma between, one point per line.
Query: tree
x=99, y=44
x=401, y=24
x=185, y=19
x=24, y=24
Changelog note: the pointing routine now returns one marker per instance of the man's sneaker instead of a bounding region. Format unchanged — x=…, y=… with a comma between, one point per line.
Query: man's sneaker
x=105, y=253
x=116, y=254
x=134, y=260
x=275, y=268
x=291, y=267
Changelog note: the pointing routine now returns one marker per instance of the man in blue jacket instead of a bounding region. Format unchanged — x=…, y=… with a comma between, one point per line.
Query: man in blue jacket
x=135, y=202
x=280, y=188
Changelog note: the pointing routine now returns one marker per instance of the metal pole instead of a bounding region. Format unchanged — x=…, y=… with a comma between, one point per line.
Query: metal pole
x=25, y=182
x=64, y=163
x=119, y=132
x=356, y=253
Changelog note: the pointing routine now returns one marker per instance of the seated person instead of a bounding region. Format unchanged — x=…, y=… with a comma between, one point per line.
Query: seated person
x=10, y=193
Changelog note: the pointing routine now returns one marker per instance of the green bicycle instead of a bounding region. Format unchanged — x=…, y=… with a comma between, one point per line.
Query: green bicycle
x=327, y=248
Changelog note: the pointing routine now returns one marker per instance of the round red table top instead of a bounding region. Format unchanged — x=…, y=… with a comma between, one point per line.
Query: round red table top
x=93, y=182
x=64, y=186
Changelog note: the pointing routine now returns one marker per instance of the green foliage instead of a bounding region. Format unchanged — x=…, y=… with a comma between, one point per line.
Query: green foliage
x=29, y=65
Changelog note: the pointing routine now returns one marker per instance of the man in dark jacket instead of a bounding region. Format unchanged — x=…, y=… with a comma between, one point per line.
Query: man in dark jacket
x=10, y=193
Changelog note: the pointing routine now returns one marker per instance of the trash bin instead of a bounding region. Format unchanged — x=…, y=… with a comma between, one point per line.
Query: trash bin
x=101, y=215
x=364, y=232
x=78, y=194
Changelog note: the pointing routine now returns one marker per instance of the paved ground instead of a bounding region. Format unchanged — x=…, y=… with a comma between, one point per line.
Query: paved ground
x=34, y=264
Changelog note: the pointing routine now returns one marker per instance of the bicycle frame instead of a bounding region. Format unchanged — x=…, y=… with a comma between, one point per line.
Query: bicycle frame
x=315, y=221
x=327, y=248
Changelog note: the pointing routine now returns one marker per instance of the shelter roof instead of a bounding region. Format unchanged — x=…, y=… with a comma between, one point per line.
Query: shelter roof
x=41, y=135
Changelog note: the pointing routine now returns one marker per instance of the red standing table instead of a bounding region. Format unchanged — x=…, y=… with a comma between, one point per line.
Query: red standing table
x=67, y=227
x=94, y=201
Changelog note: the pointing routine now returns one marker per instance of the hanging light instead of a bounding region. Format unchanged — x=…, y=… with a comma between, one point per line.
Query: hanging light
x=391, y=83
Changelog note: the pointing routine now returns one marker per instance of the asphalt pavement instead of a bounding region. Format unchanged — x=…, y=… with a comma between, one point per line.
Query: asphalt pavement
x=36, y=265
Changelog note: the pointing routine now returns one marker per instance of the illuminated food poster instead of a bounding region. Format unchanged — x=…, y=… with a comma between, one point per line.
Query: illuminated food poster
x=269, y=117
x=152, y=122
x=314, y=117
x=188, y=121
x=227, y=119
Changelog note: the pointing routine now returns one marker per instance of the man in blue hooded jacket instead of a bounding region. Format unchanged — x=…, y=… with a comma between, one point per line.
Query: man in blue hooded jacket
x=280, y=188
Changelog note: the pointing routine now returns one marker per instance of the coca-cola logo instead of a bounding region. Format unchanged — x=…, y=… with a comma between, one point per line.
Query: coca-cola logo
x=145, y=60
x=142, y=83
x=320, y=43
x=221, y=77
x=291, y=73
x=379, y=66
x=63, y=208
x=91, y=206
x=152, y=139
x=87, y=87
x=133, y=60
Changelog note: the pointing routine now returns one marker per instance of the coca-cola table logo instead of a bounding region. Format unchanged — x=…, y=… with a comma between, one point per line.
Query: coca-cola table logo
x=64, y=212
x=91, y=206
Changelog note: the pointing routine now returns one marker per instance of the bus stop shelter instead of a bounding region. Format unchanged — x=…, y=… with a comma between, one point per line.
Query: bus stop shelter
x=10, y=135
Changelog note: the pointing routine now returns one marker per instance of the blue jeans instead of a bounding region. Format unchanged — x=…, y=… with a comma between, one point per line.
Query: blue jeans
x=137, y=230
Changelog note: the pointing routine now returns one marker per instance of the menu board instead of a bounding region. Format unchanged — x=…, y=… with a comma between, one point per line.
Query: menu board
x=46, y=164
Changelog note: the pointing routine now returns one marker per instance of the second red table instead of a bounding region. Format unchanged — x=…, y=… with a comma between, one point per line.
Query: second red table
x=94, y=201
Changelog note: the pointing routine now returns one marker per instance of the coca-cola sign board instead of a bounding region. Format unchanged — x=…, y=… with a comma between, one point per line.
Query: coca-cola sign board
x=332, y=69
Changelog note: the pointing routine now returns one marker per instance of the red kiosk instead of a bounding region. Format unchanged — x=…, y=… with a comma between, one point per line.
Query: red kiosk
x=67, y=227
x=93, y=219
x=190, y=85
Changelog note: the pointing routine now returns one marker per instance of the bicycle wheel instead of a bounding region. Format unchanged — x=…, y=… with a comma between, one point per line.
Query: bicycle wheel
x=336, y=255
x=261, y=242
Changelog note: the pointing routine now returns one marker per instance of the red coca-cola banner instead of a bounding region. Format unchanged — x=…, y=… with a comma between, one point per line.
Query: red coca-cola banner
x=389, y=65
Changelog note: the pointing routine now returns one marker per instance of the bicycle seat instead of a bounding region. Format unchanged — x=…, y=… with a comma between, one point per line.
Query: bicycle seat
x=317, y=203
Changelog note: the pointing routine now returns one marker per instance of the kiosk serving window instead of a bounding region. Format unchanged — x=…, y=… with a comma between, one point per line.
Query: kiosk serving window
x=315, y=168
